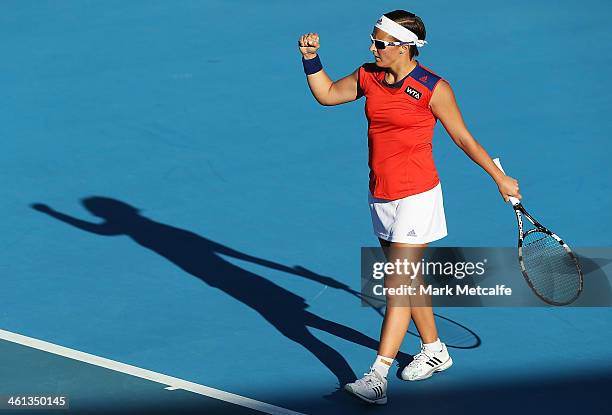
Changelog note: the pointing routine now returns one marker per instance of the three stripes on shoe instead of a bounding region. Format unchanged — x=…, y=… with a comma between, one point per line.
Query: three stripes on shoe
x=434, y=361
x=379, y=391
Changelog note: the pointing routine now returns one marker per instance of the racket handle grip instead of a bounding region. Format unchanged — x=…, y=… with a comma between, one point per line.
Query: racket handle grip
x=512, y=199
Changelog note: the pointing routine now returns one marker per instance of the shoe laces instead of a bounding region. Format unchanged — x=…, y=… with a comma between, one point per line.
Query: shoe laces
x=370, y=379
x=420, y=358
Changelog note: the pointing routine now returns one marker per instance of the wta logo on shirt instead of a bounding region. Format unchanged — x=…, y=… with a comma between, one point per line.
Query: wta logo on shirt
x=413, y=93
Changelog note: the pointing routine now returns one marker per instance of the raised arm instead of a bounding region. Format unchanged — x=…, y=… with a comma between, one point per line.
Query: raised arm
x=324, y=90
x=104, y=229
x=444, y=106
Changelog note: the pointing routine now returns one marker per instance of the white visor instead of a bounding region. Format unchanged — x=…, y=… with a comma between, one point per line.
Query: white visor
x=398, y=31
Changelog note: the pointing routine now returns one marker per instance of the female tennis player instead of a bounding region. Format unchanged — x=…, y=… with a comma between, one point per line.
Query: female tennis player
x=404, y=99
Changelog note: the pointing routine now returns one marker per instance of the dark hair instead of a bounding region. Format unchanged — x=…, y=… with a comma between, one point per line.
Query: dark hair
x=411, y=22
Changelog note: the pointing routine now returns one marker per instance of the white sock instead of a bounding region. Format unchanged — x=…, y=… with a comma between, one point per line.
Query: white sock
x=434, y=347
x=382, y=365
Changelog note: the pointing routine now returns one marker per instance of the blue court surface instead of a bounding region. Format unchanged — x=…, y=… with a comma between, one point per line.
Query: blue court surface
x=166, y=169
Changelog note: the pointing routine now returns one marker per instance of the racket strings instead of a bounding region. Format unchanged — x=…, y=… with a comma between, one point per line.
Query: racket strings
x=550, y=269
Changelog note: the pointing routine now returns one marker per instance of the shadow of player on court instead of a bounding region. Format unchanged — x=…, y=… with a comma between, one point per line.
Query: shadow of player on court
x=201, y=257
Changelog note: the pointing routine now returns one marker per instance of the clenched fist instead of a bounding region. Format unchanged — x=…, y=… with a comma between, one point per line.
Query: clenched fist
x=309, y=44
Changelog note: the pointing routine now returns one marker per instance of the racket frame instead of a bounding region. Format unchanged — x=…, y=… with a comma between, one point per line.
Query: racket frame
x=520, y=210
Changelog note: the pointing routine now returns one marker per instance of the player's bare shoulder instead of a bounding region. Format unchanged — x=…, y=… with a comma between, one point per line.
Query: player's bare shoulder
x=442, y=94
x=441, y=90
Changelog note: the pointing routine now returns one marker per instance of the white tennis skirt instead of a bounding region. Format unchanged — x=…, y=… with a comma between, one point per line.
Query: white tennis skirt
x=415, y=219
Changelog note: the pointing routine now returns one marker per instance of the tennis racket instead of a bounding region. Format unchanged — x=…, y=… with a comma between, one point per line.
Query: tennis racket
x=548, y=264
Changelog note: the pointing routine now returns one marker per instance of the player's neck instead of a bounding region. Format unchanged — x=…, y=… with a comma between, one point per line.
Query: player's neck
x=394, y=74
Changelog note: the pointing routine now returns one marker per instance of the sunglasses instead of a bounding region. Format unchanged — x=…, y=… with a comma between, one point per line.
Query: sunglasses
x=381, y=44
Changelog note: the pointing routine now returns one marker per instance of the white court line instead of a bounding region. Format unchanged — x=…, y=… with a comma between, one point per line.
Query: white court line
x=172, y=382
x=319, y=294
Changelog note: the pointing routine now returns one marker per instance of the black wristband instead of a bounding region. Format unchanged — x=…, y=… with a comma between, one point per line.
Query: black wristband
x=312, y=65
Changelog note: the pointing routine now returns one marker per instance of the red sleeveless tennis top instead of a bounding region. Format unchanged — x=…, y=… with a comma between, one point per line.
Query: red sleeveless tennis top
x=400, y=129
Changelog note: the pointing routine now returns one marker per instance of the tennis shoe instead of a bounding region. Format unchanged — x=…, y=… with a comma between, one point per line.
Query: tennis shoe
x=372, y=388
x=426, y=363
